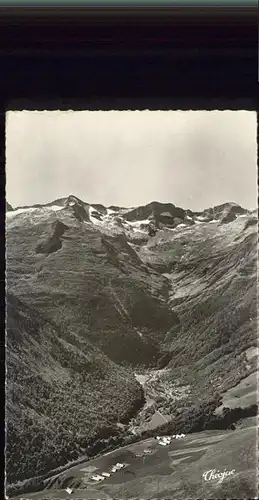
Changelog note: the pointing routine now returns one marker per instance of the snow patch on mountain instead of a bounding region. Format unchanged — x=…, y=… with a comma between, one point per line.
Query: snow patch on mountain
x=201, y=218
x=19, y=211
x=33, y=210
x=136, y=225
x=56, y=208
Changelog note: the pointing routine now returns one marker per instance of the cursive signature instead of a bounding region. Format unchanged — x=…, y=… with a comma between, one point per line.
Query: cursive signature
x=208, y=475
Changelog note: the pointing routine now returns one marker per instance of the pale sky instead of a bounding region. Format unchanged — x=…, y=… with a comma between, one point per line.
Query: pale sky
x=194, y=159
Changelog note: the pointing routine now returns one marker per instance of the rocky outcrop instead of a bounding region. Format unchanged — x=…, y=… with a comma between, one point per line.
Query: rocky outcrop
x=8, y=207
x=52, y=242
x=100, y=208
x=155, y=210
x=226, y=212
x=78, y=208
x=252, y=221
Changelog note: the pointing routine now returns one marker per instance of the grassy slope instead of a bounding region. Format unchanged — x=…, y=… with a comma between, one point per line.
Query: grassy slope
x=172, y=472
x=237, y=452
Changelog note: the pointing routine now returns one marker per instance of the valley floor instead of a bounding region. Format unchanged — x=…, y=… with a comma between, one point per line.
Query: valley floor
x=149, y=417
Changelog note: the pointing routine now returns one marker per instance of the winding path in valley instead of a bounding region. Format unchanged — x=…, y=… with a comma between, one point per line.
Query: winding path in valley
x=157, y=418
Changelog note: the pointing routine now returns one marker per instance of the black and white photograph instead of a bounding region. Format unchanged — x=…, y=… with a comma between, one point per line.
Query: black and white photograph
x=131, y=305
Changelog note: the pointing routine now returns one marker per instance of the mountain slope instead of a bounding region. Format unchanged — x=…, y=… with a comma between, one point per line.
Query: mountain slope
x=97, y=293
x=62, y=394
x=212, y=268
x=88, y=280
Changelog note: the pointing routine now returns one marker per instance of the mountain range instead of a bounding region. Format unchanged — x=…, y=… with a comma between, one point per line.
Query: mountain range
x=95, y=294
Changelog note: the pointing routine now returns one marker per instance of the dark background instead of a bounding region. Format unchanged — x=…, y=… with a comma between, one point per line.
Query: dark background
x=128, y=57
